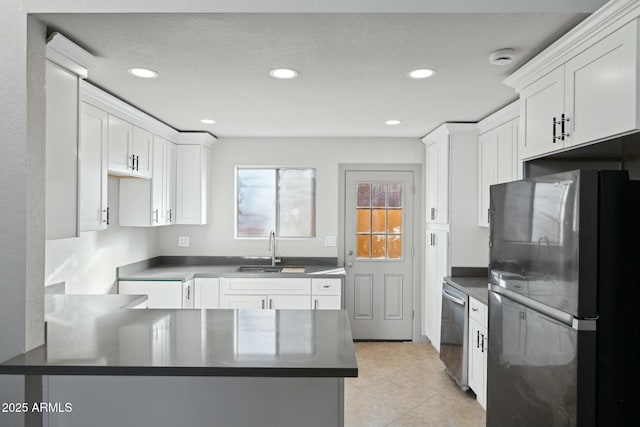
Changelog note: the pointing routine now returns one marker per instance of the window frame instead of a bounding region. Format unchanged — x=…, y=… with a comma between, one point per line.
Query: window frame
x=277, y=203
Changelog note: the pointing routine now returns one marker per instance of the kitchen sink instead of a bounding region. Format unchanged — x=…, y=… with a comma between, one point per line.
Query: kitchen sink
x=269, y=269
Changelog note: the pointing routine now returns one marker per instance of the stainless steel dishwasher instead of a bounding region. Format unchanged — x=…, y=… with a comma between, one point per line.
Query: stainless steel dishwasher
x=454, y=333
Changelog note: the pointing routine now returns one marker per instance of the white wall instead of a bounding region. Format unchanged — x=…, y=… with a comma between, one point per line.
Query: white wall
x=324, y=154
x=88, y=263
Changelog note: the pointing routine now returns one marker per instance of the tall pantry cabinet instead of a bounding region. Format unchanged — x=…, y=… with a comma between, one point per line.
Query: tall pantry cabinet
x=453, y=237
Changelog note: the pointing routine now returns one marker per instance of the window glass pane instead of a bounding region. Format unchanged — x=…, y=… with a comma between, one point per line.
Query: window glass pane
x=256, y=200
x=363, y=246
x=296, y=202
x=378, y=195
x=395, y=195
x=364, y=195
x=378, y=246
x=394, y=221
x=363, y=220
x=395, y=247
x=378, y=220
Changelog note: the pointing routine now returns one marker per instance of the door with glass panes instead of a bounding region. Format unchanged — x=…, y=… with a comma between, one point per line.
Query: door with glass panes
x=378, y=254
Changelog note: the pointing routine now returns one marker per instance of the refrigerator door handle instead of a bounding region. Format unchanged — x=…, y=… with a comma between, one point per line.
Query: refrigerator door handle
x=554, y=313
x=453, y=298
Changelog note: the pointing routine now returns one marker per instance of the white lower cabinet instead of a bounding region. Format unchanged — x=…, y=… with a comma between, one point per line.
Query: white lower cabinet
x=207, y=292
x=326, y=294
x=478, y=341
x=161, y=294
x=437, y=267
x=266, y=293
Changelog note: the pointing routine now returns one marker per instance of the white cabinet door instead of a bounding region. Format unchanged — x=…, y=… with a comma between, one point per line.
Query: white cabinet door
x=437, y=175
x=142, y=149
x=192, y=182
x=161, y=294
x=488, y=157
x=600, y=88
x=207, y=292
x=296, y=302
x=476, y=360
x=505, y=149
x=243, y=301
x=93, y=168
x=326, y=302
x=540, y=103
x=61, y=171
x=170, y=184
x=158, y=181
x=120, y=138
x=436, y=270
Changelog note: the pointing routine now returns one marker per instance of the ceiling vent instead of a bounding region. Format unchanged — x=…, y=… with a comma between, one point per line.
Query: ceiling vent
x=502, y=57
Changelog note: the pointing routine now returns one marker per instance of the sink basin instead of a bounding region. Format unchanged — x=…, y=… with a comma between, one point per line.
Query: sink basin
x=268, y=269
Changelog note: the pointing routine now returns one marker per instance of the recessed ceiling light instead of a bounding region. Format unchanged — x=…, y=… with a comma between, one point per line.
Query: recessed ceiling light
x=145, y=73
x=283, y=73
x=392, y=122
x=421, y=73
x=207, y=121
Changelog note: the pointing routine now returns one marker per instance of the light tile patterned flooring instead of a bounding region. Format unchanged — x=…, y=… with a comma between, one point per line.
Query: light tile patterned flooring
x=404, y=384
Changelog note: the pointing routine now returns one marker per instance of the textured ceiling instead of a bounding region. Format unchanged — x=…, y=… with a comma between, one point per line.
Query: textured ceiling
x=352, y=67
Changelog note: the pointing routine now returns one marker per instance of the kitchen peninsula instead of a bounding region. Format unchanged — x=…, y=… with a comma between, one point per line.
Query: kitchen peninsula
x=190, y=367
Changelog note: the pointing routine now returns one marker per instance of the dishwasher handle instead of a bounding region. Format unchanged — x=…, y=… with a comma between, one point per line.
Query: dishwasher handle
x=453, y=298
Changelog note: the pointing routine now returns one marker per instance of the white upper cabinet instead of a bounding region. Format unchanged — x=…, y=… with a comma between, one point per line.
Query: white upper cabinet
x=437, y=165
x=130, y=149
x=62, y=112
x=94, y=213
x=192, y=180
x=159, y=182
x=497, y=154
x=583, y=88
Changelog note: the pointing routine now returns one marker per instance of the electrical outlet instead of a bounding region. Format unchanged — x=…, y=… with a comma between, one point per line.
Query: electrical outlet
x=183, y=241
x=329, y=240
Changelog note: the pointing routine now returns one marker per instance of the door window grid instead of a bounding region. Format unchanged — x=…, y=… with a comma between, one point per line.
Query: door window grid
x=379, y=216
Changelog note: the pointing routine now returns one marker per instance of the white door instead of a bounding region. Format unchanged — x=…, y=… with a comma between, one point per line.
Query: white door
x=488, y=146
x=476, y=359
x=378, y=254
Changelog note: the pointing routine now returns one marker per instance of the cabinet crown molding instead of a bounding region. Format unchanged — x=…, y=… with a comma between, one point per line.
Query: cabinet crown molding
x=449, y=128
x=69, y=55
x=503, y=115
x=200, y=138
x=604, y=21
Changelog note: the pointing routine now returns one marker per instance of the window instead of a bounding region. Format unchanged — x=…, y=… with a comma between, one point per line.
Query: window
x=379, y=213
x=278, y=199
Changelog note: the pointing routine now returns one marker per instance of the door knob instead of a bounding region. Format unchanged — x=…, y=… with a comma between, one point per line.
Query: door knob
x=349, y=252
x=349, y=264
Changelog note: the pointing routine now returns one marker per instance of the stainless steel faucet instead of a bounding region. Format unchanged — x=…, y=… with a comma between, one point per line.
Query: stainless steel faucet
x=272, y=248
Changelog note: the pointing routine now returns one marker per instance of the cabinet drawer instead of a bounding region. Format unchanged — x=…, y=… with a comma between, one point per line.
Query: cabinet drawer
x=161, y=294
x=271, y=286
x=477, y=311
x=326, y=302
x=326, y=286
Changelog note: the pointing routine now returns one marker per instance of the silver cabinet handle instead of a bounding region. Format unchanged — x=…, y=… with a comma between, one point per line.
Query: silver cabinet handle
x=133, y=162
x=270, y=303
x=155, y=213
x=263, y=303
x=315, y=304
x=474, y=309
x=477, y=339
x=433, y=213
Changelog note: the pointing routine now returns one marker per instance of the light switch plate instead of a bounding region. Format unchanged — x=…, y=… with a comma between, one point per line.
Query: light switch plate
x=183, y=241
x=329, y=240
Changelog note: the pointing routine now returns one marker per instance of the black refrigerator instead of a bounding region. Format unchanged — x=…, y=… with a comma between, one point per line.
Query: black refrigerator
x=564, y=329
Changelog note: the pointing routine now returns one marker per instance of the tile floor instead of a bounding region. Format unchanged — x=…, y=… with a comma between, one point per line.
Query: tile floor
x=404, y=384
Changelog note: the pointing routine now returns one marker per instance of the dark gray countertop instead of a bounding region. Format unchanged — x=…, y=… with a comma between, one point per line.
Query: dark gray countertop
x=87, y=335
x=476, y=287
